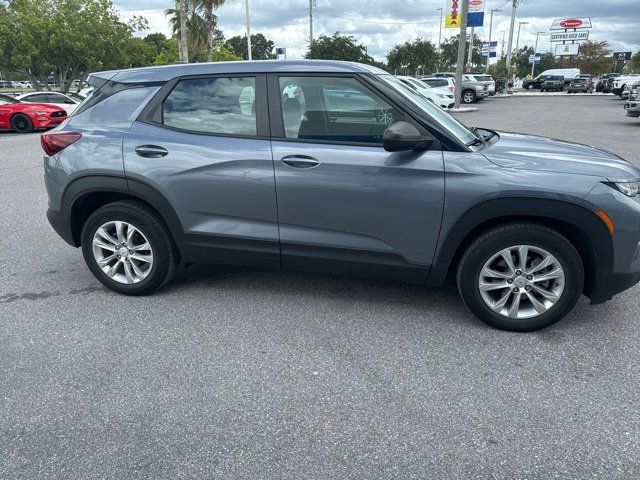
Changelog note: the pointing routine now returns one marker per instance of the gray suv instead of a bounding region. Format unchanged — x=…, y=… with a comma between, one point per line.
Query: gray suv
x=339, y=167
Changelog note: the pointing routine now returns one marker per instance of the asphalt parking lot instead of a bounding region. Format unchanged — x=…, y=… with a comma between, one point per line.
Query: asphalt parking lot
x=254, y=374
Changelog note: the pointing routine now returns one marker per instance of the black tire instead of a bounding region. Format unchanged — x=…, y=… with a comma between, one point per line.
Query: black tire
x=165, y=253
x=491, y=242
x=469, y=96
x=541, y=90
x=21, y=123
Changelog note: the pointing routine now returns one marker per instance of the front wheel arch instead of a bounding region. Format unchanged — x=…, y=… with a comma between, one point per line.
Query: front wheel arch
x=585, y=230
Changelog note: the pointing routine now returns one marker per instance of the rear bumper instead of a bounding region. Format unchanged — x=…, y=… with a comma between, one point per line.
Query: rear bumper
x=609, y=284
x=62, y=225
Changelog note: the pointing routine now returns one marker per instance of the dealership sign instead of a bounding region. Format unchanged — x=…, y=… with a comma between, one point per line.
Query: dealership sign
x=621, y=56
x=475, y=17
x=571, y=23
x=570, y=36
x=567, y=49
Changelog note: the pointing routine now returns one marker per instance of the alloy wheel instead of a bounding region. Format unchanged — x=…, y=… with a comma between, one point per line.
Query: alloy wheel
x=522, y=281
x=122, y=252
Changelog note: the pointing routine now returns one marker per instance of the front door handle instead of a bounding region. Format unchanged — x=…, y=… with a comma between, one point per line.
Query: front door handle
x=300, y=161
x=151, y=151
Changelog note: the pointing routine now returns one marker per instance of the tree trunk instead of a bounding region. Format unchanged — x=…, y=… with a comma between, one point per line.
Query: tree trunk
x=34, y=83
x=184, y=52
x=208, y=14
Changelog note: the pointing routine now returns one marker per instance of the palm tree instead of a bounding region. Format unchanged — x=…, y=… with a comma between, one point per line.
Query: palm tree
x=208, y=6
x=184, y=52
x=195, y=30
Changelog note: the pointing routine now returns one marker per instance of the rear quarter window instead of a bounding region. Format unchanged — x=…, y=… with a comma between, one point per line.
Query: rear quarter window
x=117, y=110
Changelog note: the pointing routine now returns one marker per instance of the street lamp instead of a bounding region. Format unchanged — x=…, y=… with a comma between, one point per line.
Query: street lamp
x=439, y=39
x=535, y=49
x=246, y=8
x=518, y=37
x=489, y=43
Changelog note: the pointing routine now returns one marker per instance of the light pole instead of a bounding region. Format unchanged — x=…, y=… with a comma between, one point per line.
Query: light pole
x=489, y=43
x=518, y=37
x=440, y=30
x=439, y=39
x=460, y=61
x=535, y=49
x=246, y=7
x=514, y=6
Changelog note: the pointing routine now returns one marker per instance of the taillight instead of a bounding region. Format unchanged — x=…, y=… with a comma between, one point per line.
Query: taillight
x=451, y=89
x=54, y=142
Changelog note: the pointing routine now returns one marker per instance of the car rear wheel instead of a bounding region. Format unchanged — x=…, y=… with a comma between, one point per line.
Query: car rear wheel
x=468, y=96
x=520, y=277
x=21, y=123
x=128, y=248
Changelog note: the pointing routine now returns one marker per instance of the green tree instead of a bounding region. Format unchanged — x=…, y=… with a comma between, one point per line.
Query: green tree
x=339, y=47
x=634, y=64
x=261, y=47
x=449, y=57
x=208, y=6
x=196, y=27
x=412, y=57
x=593, y=57
x=39, y=38
x=520, y=60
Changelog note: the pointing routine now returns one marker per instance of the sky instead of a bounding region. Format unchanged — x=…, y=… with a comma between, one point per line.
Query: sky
x=381, y=24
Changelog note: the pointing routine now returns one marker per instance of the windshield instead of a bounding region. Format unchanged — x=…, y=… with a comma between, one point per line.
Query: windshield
x=446, y=121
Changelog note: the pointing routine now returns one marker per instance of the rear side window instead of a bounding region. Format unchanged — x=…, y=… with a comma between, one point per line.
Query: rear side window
x=220, y=105
x=436, y=83
x=119, y=109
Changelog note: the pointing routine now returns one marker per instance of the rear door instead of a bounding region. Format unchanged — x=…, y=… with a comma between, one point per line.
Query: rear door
x=343, y=201
x=203, y=143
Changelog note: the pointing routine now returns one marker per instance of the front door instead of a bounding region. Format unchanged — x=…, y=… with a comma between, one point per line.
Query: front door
x=343, y=201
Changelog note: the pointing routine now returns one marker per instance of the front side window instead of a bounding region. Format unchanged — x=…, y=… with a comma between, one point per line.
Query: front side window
x=333, y=109
x=221, y=105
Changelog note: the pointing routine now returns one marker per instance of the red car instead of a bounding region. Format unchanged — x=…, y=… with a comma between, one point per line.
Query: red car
x=24, y=117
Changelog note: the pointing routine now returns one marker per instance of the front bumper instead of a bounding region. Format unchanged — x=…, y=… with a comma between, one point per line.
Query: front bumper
x=632, y=108
x=609, y=284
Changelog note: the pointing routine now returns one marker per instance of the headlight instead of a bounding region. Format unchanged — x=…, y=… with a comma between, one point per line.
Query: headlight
x=40, y=113
x=630, y=189
x=479, y=87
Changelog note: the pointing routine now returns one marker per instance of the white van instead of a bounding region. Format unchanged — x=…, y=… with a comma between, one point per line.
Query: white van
x=568, y=73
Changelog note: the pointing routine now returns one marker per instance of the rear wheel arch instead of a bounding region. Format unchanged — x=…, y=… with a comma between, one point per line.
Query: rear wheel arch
x=580, y=225
x=85, y=195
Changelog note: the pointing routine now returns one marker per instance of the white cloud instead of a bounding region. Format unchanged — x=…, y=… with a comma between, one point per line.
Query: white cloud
x=286, y=21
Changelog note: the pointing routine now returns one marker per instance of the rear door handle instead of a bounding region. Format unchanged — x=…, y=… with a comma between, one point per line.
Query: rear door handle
x=151, y=151
x=300, y=161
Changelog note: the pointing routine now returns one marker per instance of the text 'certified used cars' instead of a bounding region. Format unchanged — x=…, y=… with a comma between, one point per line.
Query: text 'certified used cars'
x=340, y=167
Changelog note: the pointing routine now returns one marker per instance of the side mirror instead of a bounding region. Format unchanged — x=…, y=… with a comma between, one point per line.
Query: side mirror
x=402, y=136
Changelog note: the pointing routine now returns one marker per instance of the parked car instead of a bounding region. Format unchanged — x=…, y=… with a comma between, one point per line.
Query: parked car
x=443, y=100
x=445, y=85
x=54, y=98
x=5, y=84
x=25, y=117
x=484, y=79
x=501, y=84
x=567, y=73
x=607, y=86
x=553, y=82
x=620, y=82
x=580, y=85
x=161, y=166
x=632, y=105
x=600, y=84
x=472, y=90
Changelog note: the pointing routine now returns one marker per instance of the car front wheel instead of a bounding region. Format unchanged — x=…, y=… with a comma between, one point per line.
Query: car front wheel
x=520, y=277
x=21, y=123
x=128, y=248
